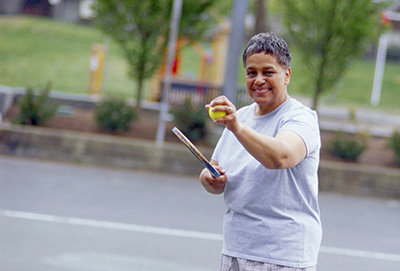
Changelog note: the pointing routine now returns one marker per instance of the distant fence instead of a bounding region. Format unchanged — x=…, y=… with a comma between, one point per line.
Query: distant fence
x=200, y=93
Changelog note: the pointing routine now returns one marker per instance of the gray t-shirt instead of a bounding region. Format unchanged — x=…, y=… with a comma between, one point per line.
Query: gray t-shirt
x=273, y=215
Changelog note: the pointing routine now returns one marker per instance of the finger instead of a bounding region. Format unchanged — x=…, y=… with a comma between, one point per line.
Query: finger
x=220, y=100
x=216, y=182
x=231, y=109
x=212, y=179
x=228, y=107
x=220, y=169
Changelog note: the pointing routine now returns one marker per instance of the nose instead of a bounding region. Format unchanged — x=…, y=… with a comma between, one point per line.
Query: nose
x=259, y=80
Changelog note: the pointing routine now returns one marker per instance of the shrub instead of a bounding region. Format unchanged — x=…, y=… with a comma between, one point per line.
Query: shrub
x=394, y=144
x=190, y=119
x=348, y=147
x=35, y=109
x=114, y=115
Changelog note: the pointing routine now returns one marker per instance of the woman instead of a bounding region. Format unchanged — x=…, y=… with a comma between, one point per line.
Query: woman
x=268, y=157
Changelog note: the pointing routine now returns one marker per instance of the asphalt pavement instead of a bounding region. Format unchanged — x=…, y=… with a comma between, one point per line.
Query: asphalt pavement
x=56, y=216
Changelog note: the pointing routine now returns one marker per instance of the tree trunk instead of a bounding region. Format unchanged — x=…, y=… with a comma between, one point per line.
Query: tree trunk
x=139, y=94
x=259, y=13
x=316, y=98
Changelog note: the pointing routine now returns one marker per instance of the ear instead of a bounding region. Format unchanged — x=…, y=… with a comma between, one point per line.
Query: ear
x=288, y=72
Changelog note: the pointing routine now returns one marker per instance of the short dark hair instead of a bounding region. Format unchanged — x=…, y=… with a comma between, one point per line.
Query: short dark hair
x=270, y=44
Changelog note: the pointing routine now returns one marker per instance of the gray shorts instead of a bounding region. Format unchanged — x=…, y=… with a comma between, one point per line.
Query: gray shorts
x=236, y=264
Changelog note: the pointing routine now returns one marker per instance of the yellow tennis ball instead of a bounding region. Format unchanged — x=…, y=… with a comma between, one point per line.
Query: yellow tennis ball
x=217, y=114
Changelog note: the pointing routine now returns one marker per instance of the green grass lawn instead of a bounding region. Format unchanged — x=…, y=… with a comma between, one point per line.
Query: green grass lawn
x=34, y=51
x=355, y=88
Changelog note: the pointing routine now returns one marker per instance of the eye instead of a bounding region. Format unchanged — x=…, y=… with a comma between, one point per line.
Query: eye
x=250, y=73
x=268, y=73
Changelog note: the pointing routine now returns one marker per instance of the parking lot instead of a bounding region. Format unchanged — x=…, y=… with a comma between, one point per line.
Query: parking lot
x=56, y=216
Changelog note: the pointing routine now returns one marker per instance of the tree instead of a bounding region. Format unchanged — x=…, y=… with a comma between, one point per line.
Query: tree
x=260, y=17
x=331, y=35
x=141, y=29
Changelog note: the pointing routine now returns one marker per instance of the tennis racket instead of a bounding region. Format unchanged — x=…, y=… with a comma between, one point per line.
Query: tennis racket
x=215, y=173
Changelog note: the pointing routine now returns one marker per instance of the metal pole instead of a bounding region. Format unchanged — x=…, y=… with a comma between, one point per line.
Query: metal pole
x=176, y=15
x=379, y=68
x=235, y=47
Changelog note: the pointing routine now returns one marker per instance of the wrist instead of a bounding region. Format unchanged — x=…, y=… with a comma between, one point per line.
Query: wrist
x=238, y=128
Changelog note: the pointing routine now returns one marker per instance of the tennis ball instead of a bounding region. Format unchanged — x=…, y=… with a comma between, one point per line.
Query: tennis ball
x=217, y=114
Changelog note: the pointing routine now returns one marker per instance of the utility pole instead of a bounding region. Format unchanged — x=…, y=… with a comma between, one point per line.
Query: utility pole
x=379, y=69
x=173, y=34
x=229, y=88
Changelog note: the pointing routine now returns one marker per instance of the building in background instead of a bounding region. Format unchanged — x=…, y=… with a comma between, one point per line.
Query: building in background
x=64, y=10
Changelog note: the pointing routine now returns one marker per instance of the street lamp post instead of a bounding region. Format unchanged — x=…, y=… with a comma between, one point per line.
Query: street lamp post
x=174, y=27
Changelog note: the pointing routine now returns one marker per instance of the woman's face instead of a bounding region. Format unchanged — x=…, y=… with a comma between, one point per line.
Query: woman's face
x=266, y=81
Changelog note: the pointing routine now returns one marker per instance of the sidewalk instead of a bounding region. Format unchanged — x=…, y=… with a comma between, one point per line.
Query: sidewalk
x=375, y=122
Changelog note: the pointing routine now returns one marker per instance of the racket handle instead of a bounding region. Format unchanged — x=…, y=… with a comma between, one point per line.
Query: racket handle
x=215, y=173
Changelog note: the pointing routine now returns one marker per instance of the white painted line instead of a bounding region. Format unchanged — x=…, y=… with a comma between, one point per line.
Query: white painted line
x=361, y=254
x=111, y=225
x=179, y=233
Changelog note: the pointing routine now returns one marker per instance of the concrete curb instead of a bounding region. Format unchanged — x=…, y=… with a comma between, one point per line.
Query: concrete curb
x=358, y=179
x=101, y=150
x=126, y=153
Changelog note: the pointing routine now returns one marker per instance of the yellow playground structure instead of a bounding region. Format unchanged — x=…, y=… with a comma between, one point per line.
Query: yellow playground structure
x=210, y=75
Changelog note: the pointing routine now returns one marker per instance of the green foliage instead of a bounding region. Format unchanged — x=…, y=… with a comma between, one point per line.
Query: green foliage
x=190, y=119
x=394, y=144
x=348, y=147
x=141, y=28
x=35, y=109
x=60, y=53
x=331, y=35
x=196, y=19
x=114, y=115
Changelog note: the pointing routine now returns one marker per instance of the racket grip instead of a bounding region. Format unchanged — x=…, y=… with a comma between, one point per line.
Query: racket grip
x=215, y=173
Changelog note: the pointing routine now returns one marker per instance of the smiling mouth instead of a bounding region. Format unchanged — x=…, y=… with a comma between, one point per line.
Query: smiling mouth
x=262, y=91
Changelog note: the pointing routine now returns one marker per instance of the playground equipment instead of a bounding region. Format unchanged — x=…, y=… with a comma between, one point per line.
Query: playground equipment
x=96, y=68
x=209, y=77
